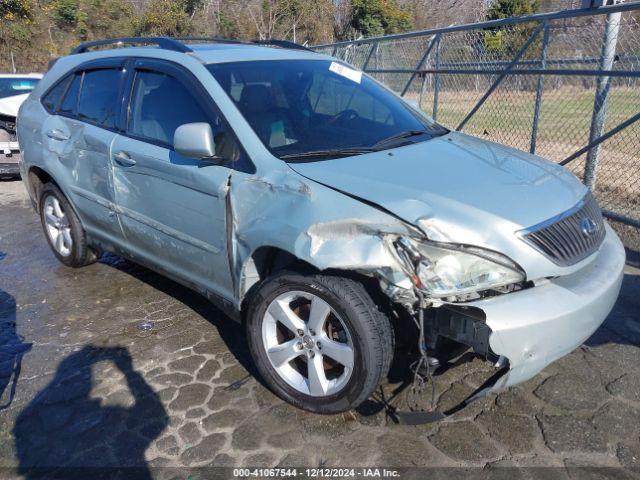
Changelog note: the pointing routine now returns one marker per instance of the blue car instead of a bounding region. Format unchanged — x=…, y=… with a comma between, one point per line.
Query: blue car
x=338, y=223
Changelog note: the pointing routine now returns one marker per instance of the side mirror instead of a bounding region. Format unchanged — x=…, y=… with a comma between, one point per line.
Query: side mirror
x=195, y=140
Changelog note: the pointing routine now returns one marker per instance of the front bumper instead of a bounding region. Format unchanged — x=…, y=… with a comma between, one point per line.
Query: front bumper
x=9, y=163
x=537, y=326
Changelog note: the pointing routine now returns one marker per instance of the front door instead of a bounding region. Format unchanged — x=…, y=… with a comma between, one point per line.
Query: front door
x=172, y=208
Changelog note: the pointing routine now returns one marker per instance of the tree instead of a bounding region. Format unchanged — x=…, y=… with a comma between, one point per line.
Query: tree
x=379, y=17
x=65, y=13
x=512, y=8
x=302, y=20
x=512, y=37
x=11, y=10
x=104, y=19
x=342, y=16
x=163, y=18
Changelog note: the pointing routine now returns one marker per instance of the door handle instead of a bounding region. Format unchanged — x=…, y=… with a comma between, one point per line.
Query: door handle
x=56, y=134
x=124, y=159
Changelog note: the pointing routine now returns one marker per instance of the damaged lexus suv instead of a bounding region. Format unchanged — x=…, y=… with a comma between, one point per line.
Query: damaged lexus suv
x=318, y=208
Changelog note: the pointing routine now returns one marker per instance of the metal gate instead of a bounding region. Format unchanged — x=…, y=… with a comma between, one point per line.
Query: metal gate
x=564, y=85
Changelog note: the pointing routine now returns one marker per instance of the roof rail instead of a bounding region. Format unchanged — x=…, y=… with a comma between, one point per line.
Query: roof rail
x=162, y=42
x=274, y=42
x=282, y=44
x=207, y=39
x=176, y=43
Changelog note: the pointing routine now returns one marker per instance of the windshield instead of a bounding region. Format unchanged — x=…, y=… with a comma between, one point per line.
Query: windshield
x=16, y=86
x=317, y=109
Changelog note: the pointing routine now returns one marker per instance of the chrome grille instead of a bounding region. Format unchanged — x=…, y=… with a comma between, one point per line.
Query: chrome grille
x=570, y=237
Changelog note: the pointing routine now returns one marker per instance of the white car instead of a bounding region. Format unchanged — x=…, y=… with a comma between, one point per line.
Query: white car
x=14, y=89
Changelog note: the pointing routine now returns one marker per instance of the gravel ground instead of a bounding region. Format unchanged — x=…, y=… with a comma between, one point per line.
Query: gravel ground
x=97, y=388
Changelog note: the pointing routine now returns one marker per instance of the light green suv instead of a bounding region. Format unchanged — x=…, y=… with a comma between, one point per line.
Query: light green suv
x=339, y=223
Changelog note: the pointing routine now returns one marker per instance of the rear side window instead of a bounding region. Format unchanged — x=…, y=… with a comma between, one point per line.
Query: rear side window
x=159, y=105
x=68, y=105
x=99, y=97
x=52, y=99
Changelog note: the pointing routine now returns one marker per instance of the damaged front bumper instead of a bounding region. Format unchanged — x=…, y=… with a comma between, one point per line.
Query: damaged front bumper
x=532, y=328
x=9, y=163
x=524, y=331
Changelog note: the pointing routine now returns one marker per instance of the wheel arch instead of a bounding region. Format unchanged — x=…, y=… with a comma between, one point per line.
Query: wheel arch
x=267, y=260
x=263, y=262
x=37, y=177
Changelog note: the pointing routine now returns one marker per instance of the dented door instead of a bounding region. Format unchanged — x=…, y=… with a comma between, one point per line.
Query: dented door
x=172, y=208
x=172, y=211
x=78, y=141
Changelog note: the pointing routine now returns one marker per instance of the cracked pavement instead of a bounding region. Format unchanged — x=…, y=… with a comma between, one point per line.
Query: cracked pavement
x=121, y=367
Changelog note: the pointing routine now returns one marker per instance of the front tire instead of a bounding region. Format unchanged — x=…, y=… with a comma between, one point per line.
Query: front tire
x=63, y=229
x=318, y=341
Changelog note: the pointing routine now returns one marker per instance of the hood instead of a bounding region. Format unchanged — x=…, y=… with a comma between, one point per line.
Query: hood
x=10, y=105
x=456, y=187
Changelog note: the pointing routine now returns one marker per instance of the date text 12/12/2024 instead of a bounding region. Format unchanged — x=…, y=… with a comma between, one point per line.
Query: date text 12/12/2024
x=309, y=473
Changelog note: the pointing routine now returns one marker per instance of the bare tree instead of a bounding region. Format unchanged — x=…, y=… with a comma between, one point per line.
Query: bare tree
x=342, y=14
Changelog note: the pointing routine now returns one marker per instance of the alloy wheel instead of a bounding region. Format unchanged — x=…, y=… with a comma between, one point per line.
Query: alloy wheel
x=308, y=344
x=58, y=227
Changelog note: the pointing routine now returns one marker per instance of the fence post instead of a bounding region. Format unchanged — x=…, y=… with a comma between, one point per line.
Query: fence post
x=13, y=63
x=422, y=85
x=607, y=57
x=436, y=80
x=539, y=88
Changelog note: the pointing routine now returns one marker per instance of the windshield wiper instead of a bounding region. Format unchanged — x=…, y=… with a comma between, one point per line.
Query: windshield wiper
x=332, y=153
x=398, y=136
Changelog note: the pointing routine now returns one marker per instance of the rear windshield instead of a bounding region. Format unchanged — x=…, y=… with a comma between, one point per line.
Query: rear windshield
x=16, y=86
x=316, y=109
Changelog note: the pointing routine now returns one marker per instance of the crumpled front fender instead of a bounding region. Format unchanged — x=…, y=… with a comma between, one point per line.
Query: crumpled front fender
x=311, y=222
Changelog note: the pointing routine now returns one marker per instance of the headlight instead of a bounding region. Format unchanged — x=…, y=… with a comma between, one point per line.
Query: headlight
x=452, y=270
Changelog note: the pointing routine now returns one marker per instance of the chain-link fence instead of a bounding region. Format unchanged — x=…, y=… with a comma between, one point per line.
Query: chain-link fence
x=564, y=85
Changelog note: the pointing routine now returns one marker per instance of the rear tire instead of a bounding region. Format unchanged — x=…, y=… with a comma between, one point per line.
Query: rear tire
x=318, y=341
x=62, y=228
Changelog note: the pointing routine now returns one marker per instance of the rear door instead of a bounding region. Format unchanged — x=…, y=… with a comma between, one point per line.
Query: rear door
x=80, y=136
x=172, y=208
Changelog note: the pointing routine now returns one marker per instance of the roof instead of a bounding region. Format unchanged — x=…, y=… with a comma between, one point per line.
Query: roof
x=226, y=52
x=207, y=50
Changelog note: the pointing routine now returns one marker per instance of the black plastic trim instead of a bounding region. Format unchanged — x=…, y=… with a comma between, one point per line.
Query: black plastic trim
x=165, y=43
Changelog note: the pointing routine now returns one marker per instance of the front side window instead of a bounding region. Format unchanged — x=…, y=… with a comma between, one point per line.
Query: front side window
x=12, y=86
x=302, y=109
x=100, y=96
x=160, y=103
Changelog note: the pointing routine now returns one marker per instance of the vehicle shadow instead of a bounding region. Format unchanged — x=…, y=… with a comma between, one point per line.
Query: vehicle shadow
x=65, y=433
x=12, y=349
x=231, y=332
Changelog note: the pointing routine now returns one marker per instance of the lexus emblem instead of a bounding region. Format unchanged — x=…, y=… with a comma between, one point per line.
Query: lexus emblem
x=588, y=227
